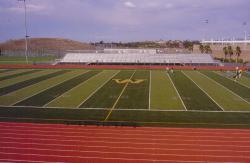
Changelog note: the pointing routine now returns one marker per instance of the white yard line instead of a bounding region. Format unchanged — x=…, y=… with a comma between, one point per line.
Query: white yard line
x=232, y=79
x=176, y=91
x=72, y=88
x=224, y=87
x=46, y=89
x=97, y=90
x=204, y=91
x=149, y=98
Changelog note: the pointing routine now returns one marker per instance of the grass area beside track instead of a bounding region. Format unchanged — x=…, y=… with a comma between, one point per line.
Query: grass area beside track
x=108, y=94
x=22, y=60
x=163, y=93
x=136, y=95
x=79, y=94
x=226, y=99
x=31, y=90
x=48, y=95
x=123, y=117
x=192, y=96
x=240, y=90
x=14, y=87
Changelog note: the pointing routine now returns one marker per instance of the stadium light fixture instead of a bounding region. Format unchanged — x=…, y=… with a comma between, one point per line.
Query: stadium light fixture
x=26, y=30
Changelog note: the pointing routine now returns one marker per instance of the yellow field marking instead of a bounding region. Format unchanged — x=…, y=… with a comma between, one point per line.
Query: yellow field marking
x=113, y=107
x=136, y=81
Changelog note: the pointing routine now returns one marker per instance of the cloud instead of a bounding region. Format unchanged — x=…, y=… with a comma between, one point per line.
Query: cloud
x=129, y=4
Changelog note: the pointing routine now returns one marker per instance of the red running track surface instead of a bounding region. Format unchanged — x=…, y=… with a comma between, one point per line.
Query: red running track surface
x=62, y=66
x=27, y=142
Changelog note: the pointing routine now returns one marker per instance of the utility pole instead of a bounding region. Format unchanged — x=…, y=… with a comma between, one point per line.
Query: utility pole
x=26, y=31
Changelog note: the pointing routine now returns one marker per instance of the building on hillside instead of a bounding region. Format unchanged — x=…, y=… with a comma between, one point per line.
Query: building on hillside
x=218, y=45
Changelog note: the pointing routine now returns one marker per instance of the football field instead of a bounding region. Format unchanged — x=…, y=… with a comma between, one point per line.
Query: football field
x=147, y=97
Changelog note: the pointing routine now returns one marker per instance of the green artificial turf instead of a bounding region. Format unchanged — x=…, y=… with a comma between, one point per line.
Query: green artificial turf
x=226, y=99
x=240, y=90
x=79, y=94
x=163, y=93
x=193, y=97
x=17, y=74
x=48, y=95
x=136, y=95
x=27, y=92
x=108, y=94
x=14, y=87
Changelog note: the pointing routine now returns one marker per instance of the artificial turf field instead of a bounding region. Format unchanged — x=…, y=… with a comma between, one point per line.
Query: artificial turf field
x=146, y=97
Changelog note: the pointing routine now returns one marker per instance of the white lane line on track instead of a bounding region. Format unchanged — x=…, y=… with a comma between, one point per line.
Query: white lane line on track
x=130, y=147
x=19, y=160
x=119, y=138
x=125, y=143
x=107, y=158
x=222, y=109
x=100, y=134
x=126, y=153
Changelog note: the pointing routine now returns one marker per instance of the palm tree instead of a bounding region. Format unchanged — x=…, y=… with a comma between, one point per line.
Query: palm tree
x=237, y=52
x=225, y=50
x=207, y=49
x=202, y=48
x=230, y=51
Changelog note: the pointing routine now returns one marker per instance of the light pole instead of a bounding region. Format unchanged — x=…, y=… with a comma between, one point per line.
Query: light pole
x=26, y=31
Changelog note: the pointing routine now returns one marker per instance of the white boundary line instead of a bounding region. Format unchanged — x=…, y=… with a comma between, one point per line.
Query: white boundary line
x=45, y=89
x=231, y=79
x=73, y=87
x=149, y=94
x=176, y=91
x=78, y=106
x=130, y=146
x=153, y=110
x=224, y=87
x=203, y=91
x=100, y=151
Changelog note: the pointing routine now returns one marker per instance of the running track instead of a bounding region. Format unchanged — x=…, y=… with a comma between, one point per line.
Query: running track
x=27, y=142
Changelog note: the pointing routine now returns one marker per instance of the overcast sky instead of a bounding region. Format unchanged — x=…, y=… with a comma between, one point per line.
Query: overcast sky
x=125, y=20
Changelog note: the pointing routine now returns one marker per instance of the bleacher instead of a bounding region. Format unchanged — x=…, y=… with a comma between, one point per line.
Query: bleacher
x=144, y=57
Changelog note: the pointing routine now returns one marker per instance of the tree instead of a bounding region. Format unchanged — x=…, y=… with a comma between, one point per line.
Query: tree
x=237, y=52
x=230, y=51
x=225, y=50
x=207, y=49
x=202, y=48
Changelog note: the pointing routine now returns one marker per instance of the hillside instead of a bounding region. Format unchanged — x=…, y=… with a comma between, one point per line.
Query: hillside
x=45, y=44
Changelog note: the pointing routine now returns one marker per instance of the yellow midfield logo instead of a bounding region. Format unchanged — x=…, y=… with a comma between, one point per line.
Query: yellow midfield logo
x=125, y=81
